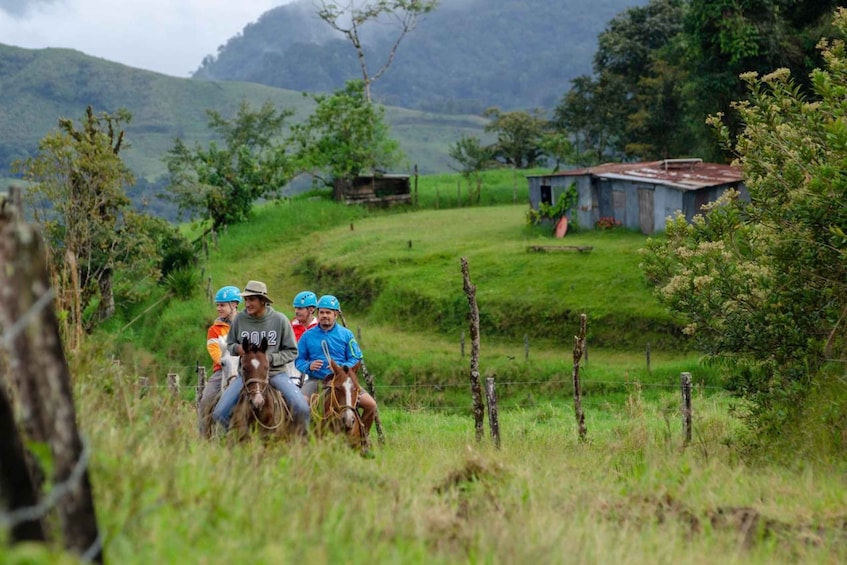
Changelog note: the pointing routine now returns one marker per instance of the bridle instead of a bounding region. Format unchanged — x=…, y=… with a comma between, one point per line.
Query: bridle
x=262, y=383
x=333, y=407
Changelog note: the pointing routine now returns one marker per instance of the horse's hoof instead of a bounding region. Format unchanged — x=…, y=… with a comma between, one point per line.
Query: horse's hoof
x=368, y=454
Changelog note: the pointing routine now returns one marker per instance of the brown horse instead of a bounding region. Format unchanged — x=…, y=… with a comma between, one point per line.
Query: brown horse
x=340, y=412
x=260, y=406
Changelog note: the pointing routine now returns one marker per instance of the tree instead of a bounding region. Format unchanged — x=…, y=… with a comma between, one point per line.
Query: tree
x=725, y=38
x=345, y=135
x=78, y=196
x=632, y=107
x=593, y=114
x=472, y=158
x=222, y=182
x=403, y=14
x=519, y=136
x=761, y=285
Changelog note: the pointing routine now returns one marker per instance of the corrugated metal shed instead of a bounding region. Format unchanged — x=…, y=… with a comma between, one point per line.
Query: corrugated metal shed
x=684, y=174
x=638, y=195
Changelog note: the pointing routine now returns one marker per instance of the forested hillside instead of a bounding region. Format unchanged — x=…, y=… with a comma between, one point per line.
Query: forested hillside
x=465, y=56
x=39, y=86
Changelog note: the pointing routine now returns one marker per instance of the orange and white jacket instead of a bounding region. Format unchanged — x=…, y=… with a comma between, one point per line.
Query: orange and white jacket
x=219, y=328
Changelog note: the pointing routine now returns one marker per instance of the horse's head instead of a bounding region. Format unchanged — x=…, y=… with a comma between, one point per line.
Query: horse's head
x=255, y=369
x=343, y=394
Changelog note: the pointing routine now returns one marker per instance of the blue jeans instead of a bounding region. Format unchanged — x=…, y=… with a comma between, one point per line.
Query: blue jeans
x=280, y=381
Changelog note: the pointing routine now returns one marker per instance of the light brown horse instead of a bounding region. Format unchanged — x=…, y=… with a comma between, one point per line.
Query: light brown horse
x=260, y=406
x=340, y=412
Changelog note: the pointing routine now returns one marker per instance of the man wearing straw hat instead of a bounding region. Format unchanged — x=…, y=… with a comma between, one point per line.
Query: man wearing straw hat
x=258, y=320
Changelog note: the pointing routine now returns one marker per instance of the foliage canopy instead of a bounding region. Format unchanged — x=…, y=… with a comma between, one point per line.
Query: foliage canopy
x=762, y=284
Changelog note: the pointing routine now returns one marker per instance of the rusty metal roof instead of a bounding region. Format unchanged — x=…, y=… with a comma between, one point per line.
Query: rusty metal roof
x=685, y=174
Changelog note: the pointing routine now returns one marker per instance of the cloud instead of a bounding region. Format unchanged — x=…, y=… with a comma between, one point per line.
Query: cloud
x=168, y=36
x=20, y=8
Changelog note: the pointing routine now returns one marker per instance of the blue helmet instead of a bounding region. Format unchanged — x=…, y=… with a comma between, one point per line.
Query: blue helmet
x=305, y=299
x=329, y=302
x=228, y=294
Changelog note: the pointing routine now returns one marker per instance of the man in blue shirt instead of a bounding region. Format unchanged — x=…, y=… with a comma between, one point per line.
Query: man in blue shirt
x=343, y=349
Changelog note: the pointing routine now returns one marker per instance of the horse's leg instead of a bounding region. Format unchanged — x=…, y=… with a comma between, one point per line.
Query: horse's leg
x=210, y=396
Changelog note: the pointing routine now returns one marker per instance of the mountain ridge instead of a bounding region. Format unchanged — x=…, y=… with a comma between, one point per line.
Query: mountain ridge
x=39, y=86
x=465, y=56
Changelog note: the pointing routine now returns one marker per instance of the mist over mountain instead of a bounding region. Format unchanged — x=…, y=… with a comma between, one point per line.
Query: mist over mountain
x=465, y=56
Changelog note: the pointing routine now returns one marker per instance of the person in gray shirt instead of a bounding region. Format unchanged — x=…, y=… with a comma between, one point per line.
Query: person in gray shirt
x=259, y=320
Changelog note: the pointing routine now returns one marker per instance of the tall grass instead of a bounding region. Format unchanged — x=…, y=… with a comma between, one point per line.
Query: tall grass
x=631, y=494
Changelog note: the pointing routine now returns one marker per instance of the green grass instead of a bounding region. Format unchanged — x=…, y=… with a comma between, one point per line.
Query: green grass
x=389, y=288
x=631, y=493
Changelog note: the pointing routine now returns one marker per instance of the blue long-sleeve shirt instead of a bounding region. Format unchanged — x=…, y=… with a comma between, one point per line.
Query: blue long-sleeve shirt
x=342, y=345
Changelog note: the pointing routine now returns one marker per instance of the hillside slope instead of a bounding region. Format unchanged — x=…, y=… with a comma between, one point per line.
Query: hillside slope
x=465, y=56
x=40, y=86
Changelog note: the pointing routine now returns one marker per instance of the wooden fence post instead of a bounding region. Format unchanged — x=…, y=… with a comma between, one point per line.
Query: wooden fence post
x=685, y=385
x=476, y=387
x=201, y=384
x=142, y=386
x=173, y=384
x=493, y=418
x=578, y=348
x=39, y=374
x=17, y=486
x=416, y=186
x=525, y=347
x=648, y=358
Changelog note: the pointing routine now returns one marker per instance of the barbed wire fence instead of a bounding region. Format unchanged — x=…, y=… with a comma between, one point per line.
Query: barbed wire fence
x=36, y=373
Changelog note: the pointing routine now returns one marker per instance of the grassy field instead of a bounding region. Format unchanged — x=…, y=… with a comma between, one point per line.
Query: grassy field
x=633, y=492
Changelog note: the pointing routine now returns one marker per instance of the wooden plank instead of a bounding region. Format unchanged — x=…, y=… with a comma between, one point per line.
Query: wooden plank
x=547, y=248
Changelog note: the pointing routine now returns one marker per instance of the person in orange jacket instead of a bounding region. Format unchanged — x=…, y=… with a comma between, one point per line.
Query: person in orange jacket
x=227, y=300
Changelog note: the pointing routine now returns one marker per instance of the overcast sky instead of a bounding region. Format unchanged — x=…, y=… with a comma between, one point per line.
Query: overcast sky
x=168, y=36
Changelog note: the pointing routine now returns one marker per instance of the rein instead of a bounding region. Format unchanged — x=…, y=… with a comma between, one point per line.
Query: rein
x=335, y=406
x=276, y=399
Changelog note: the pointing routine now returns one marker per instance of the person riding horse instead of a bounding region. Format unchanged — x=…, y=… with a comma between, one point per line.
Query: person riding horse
x=327, y=342
x=304, y=304
x=227, y=300
x=259, y=320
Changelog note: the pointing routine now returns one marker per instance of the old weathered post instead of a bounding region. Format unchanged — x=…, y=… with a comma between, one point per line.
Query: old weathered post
x=173, y=384
x=369, y=383
x=17, y=489
x=578, y=348
x=685, y=386
x=476, y=387
x=416, y=185
x=493, y=418
x=39, y=375
x=201, y=384
x=648, y=358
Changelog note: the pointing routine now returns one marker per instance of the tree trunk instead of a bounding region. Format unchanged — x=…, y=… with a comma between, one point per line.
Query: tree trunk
x=106, y=308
